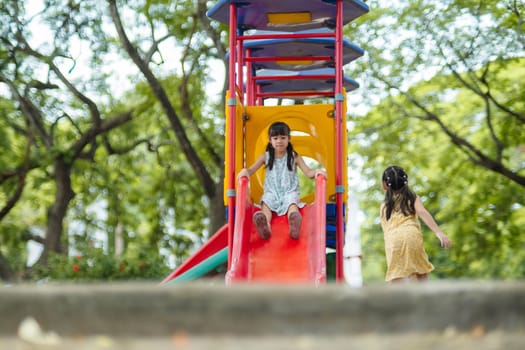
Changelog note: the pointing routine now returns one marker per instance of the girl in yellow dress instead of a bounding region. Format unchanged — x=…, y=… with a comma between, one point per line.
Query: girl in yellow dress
x=405, y=255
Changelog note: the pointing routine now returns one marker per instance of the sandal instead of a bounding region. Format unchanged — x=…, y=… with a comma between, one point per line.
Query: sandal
x=261, y=224
x=294, y=221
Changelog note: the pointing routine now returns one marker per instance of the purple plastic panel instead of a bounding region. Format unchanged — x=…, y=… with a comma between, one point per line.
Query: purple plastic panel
x=300, y=85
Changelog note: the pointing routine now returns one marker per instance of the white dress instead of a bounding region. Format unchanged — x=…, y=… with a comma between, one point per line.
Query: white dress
x=281, y=186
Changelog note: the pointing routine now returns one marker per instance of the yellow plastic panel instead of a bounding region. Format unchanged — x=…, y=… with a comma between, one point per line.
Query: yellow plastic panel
x=315, y=121
x=289, y=17
x=297, y=62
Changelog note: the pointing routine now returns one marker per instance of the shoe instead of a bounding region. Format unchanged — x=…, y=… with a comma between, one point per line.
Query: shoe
x=294, y=221
x=261, y=224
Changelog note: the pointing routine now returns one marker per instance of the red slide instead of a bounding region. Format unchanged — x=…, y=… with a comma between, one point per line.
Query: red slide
x=217, y=242
x=279, y=259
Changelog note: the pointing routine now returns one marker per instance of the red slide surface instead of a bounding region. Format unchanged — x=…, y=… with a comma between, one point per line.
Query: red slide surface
x=279, y=259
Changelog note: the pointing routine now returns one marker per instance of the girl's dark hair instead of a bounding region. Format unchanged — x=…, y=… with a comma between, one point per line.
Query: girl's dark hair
x=277, y=129
x=396, y=181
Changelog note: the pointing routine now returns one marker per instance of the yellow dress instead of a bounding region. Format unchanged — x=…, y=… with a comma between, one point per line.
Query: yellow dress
x=405, y=253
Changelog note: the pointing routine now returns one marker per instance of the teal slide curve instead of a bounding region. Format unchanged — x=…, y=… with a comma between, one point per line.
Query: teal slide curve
x=203, y=267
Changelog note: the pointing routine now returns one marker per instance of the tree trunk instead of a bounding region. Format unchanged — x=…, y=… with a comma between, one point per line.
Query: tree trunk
x=6, y=273
x=217, y=211
x=57, y=212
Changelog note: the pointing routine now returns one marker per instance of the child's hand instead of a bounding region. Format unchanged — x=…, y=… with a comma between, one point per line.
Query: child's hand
x=243, y=173
x=319, y=172
x=444, y=240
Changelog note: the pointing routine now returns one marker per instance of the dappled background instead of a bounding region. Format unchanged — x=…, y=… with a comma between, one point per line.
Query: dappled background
x=112, y=118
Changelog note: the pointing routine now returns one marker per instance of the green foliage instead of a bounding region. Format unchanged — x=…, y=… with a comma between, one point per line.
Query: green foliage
x=92, y=263
x=481, y=210
x=460, y=60
x=13, y=247
x=446, y=82
x=135, y=181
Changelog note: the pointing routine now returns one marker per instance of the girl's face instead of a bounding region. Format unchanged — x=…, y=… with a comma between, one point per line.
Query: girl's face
x=279, y=143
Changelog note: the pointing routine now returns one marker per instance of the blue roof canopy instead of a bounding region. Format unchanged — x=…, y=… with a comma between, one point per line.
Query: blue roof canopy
x=309, y=14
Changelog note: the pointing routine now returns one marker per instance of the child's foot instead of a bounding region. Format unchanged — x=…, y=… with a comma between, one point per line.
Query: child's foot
x=261, y=224
x=294, y=221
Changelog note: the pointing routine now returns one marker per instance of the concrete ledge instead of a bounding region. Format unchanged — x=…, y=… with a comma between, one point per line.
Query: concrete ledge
x=130, y=309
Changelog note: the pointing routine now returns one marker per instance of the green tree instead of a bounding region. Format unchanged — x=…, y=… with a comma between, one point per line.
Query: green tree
x=446, y=79
x=149, y=181
x=57, y=119
x=186, y=24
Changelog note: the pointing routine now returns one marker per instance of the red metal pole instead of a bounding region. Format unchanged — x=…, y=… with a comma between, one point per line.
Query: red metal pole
x=296, y=94
x=232, y=109
x=287, y=58
x=240, y=65
x=286, y=36
x=259, y=100
x=250, y=90
x=339, y=99
x=295, y=77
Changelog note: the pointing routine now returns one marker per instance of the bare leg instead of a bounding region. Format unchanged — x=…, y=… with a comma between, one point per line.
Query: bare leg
x=267, y=212
x=412, y=278
x=422, y=277
x=294, y=221
x=292, y=209
x=399, y=280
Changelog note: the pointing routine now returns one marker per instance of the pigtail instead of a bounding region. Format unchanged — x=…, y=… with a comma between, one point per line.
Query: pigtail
x=290, y=162
x=389, y=203
x=271, y=153
x=407, y=202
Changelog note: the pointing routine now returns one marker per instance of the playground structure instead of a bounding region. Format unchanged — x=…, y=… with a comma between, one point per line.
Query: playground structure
x=294, y=50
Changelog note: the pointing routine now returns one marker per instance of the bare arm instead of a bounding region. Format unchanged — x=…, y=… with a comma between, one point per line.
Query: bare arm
x=427, y=218
x=311, y=173
x=253, y=168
